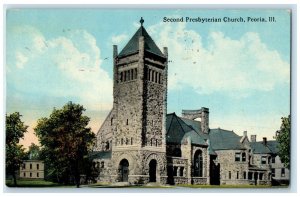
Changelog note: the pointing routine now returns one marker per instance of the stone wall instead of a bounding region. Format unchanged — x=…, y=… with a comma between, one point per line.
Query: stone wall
x=231, y=171
x=105, y=133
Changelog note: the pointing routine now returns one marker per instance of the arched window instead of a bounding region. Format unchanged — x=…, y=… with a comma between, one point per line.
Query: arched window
x=121, y=141
x=198, y=164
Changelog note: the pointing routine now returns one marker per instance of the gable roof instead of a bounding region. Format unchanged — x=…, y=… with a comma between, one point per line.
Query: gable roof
x=221, y=139
x=271, y=147
x=177, y=130
x=133, y=45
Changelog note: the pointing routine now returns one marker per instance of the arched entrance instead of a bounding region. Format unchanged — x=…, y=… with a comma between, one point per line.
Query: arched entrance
x=198, y=164
x=152, y=170
x=123, y=167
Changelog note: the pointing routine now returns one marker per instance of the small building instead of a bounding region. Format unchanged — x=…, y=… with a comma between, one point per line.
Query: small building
x=266, y=156
x=32, y=169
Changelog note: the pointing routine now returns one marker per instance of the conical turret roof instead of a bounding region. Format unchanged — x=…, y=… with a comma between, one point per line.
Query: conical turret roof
x=133, y=45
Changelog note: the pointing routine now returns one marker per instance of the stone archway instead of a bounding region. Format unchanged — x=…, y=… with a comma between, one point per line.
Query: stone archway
x=152, y=170
x=160, y=170
x=124, y=170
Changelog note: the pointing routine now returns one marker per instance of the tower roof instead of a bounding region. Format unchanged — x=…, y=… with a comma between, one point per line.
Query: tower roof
x=133, y=45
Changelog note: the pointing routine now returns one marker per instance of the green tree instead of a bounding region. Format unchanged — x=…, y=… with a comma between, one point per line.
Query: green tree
x=283, y=138
x=15, y=153
x=33, y=152
x=66, y=141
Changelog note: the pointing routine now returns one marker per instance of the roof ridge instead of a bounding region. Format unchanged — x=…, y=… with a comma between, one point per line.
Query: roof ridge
x=180, y=125
x=132, y=45
x=168, y=129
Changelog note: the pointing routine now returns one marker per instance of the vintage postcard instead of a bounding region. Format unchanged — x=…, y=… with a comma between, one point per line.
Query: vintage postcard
x=148, y=98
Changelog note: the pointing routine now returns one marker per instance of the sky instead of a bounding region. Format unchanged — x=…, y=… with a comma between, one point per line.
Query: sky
x=239, y=70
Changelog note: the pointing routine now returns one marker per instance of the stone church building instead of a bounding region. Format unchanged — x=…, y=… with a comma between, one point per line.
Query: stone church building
x=139, y=142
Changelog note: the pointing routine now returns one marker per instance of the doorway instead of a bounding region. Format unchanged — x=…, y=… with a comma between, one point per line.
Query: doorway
x=152, y=170
x=124, y=170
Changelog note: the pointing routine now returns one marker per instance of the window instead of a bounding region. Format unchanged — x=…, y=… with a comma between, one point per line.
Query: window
x=237, y=156
x=237, y=175
x=131, y=141
x=181, y=171
x=37, y=174
x=30, y=166
x=282, y=172
x=263, y=160
x=273, y=172
x=156, y=142
x=152, y=75
x=198, y=164
x=37, y=166
x=131, y=74
x=121, y=141
x=156, y=77
x=128, y=73
x=175, y=171
x=111, y=121
x=127, y=122
x=159, y=78
x=102, y=164
x=23, y=166
x=30, y=174
x=121, y=77
x=24, y=174
x=135, y=73
x=229, y=175
x=261, y=176
x=273, y=159
x=243, y=156
x=245, y=174
x=149, y=74
x=107, y=145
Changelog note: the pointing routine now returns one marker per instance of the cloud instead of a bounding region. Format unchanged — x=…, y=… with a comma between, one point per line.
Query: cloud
x=119, y=38
x=235, y=66
x=66, y=67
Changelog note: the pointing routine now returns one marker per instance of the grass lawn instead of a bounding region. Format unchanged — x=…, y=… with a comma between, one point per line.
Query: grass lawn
x=224, y=186
x=42, y=183
x=34, y=183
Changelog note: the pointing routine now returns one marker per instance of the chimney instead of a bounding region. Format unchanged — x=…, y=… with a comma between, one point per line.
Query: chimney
x=204, y=119
x=245, y=133
x=265, y=141
x=253, y=138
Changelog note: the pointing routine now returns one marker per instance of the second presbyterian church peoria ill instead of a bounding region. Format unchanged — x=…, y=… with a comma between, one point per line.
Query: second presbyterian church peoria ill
x=140, y=143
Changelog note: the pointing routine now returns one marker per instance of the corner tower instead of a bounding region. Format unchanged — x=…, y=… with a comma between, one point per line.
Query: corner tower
x=139, y=110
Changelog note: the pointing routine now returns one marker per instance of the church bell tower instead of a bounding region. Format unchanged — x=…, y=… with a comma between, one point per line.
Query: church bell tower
x=139, y=110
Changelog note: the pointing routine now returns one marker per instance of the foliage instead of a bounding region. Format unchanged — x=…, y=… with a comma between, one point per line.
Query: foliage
x=15, y=130
x=283, y=138
x=65, y=141
x=33, y=152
